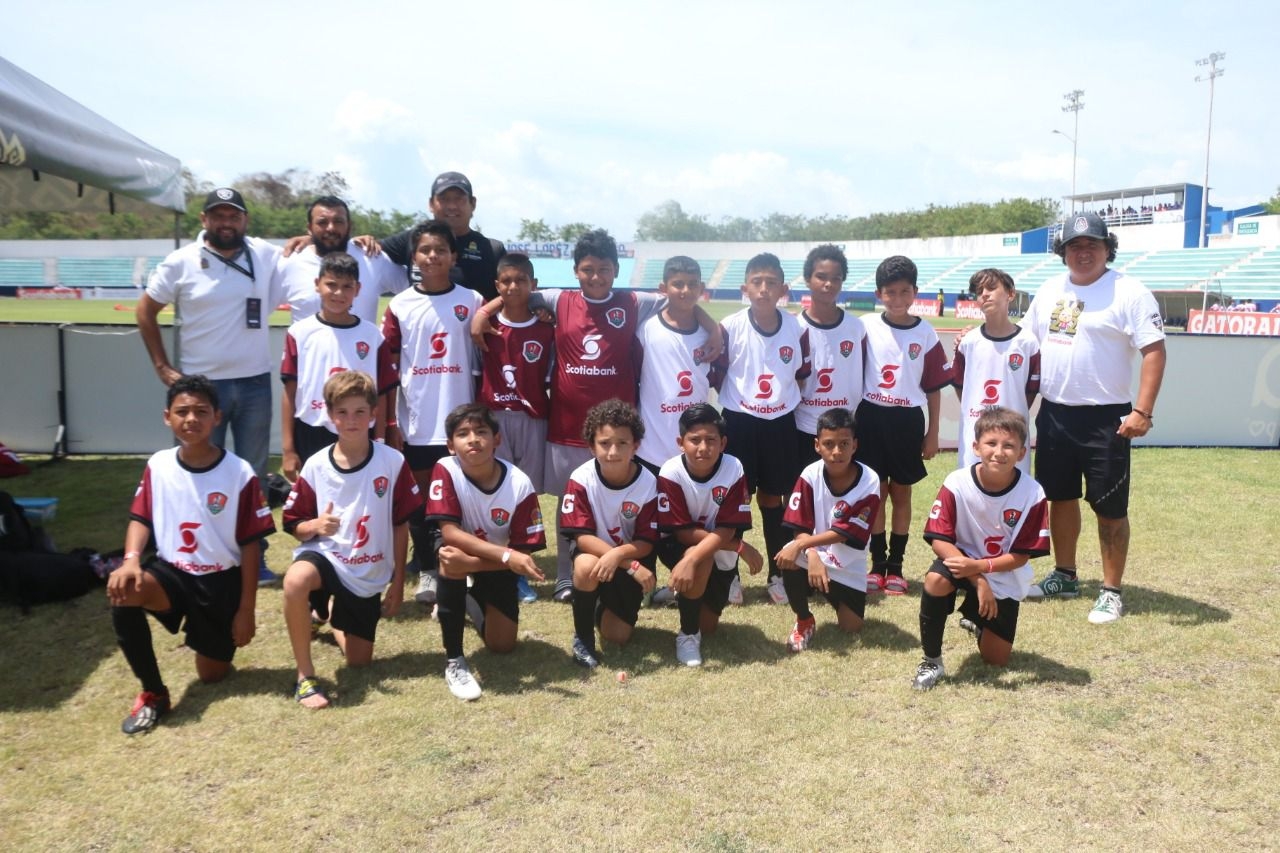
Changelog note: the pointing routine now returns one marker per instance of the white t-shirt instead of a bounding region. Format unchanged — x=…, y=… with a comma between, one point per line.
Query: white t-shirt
x=1088, y=336
x=673, y=377
x=378, y=275
x=836, y=354
x=764, y=369
x=994, y=372
x=813, y=508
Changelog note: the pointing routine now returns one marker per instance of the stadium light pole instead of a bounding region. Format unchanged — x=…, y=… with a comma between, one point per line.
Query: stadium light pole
x=1072, y=140
x=1074, y=105
x=1214, y=73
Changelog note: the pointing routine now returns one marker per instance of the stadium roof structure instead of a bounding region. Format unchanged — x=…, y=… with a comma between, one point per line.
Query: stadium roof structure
x=1133, y=192
x=57, y=155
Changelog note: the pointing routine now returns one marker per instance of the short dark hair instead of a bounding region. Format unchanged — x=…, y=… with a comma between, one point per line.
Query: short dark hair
x=826, y=252
x=1112, y=241
x=197, y=385
x=681, y=264
x=702, y=414
x=436, y=227
x=896, y=268
x=836, y=418
x=350, y=383
x=988, y=275
x=998, y=417
x=596, y=243
x=328, y=201
x=475, y=413
x=516, y=260
x=612, y=413
x=765, y=261
x=339, y=265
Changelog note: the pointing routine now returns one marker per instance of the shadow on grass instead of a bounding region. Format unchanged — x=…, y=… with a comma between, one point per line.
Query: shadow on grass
x=276, y=682
x=1025, y=669
x=1142, y=600
x=52, y=651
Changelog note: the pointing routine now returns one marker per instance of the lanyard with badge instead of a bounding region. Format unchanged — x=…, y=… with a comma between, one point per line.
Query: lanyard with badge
x=252, y=304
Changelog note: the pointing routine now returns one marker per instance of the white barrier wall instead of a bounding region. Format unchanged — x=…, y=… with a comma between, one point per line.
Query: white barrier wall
x=959, y=247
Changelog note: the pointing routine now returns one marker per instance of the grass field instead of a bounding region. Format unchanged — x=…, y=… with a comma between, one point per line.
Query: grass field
x=1161, y=732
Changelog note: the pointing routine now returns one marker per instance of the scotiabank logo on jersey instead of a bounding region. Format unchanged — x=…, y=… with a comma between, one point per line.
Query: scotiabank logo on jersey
x=380, y=485
x=216, y=502
x=630, y=509
x=532, y=351
x=499, y=516
x=1015, y=361
x=1011, y=517
x=824, y=380
x=439, y=345
x=187, y=533
x=616, y=317
x=765, y=385
x=888, y=376
x=785, y=353
x=991, y=392
x=362, y=350
x=684, y=380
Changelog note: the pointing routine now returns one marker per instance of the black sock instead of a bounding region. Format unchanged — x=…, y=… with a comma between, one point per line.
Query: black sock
x=424, y=536
x=690, y=614
x=876, y=545
x=584, y=616
x=775, y=535
x=796, y=583
x=134, y=636
x=934, y=610
x=1114, y=589
x=897, y=550
x=451, y=608
x=1069, y=571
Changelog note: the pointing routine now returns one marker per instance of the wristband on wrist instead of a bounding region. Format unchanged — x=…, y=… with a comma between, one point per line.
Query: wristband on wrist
x=741, y=545
x=633, y=567
x=990, y=568
x=132, y=555
x=1146, y=415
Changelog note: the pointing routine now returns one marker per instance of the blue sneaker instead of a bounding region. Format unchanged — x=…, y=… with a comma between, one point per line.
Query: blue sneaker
x=265, y=576
x=524, y=591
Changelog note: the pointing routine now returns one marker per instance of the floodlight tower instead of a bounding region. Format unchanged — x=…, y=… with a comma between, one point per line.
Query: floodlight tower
x=1214, y=73
x=1074, y=105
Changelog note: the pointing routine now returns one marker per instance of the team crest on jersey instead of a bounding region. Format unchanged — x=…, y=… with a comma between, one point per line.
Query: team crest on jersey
x=216, y=502
x=630, y=509
x=1011, y=517
x=499, y=516
x=461, y=312
x=718, y=494
x=785, y=353
x=1015, y=361
x=532, y=351
x=846, y=348
x=913, y=352
x=616, y=317
x=362, y=349
x=1065, y=318
x=380, y=485
x=840, y=510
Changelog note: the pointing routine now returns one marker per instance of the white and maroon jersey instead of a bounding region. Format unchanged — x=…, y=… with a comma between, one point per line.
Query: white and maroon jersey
x=596, y=356
x=211, y=299
x=764, y=370
x=986, y=525
x=812, y=508
x=627, y=513
x=995, y=372
x=377, y=275
x=371, y=499
x=200, y=517
x=315, y=350
x=517, y=367
x=428, y=338
x=720, y=500
x=1088, y=336
x=507, y=514
x=836, y=353
x=673, y=376
x=904, y=363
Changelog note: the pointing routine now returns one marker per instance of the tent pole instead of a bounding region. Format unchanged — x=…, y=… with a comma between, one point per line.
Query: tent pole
x=177, y=230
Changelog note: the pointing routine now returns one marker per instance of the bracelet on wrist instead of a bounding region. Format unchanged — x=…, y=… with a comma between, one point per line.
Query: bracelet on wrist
x=1146, y=415
x=990, y=566
x=633, y=567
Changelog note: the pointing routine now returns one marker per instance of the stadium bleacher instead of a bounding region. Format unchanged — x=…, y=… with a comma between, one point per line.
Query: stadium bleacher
x=21, y=272
x=96, y=272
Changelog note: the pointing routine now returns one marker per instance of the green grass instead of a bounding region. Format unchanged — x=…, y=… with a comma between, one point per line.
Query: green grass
x=1160, y=732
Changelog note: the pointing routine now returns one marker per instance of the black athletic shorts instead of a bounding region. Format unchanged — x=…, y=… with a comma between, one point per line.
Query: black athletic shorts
x=1081, y=442
x=1005, y=625
x=497, y=590
x=622, y=595
x=889, y=442
x=204, y=606
x=838, y=593
x=309, y=440
x=350, y=613
x=806, y=449
x=766, y=449
x=716, y=596
x=423, y=457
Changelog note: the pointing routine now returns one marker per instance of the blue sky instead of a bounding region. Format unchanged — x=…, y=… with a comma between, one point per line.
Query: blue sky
x=599, y=111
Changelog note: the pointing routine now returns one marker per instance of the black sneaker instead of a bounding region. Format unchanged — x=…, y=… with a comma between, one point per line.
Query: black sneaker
x=584, y=656
x=148, y=708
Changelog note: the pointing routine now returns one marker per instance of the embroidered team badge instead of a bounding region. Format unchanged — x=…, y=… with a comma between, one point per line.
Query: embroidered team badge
x=1080, y=225
x=499, y=516
x=216, y=502
x=380, y=485
x=630, y=509
x=840, y=510
x=532, y=351
x=718, y=494
x=461, y=312
x=616, y=317
x=1065, y=318
x=362, y=350
x=846, y=348
x=1011, y=517
x=785, y=353
x=913, y=352
x=1015, y=361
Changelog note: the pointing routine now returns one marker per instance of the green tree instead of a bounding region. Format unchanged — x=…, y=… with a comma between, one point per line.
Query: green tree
x=571, y=231
x=536, y=230
x=1273, y=205
x=669, y=222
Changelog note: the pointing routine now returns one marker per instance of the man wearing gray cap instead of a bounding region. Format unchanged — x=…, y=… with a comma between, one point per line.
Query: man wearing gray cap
x=1090, y=321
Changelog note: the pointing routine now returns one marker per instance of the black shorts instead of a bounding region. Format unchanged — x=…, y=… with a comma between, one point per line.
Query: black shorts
x=423, y=457
x=766, y=449
x=1075, y=442
x=207, y=604
x=838, y=593
x=806, y=449
x=1004, y=626
x=716, y=597
x=889, y=442
x=497, y=590
x=309, y=440
x=350, y=613
x=622, y=595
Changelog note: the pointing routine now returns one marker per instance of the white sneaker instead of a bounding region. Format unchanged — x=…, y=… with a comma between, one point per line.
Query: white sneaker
x=689, y=649
x=735, y=590
x=777, y=592
x=461, y=684
x=1108, y=608
x=663, y=596
x=426, y=591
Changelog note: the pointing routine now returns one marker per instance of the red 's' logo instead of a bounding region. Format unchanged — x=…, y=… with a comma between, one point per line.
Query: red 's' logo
x=684, y=379
x=824, y=380
x=990, y=392
x=362, y=533
x=888, y=377
x=765, y=384
x=187, y=530
x=439, y=349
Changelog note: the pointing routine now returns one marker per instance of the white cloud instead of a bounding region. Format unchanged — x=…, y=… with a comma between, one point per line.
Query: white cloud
x=362, y=117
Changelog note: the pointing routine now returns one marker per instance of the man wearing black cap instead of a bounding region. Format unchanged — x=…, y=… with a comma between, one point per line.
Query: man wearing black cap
x=223, y=289
x=1090, y=321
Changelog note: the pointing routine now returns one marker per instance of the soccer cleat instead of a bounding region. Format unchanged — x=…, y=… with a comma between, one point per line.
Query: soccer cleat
x=461, y=683
x=524, y=590
x=777, y=592
x=689, y=649
x=967, y=624
x=426, y=591
x=1056, y=584
x=663, y=596
x=801, y=635
x=735, y=590
x=894, y=585
x=928, y=673
x=147, y=710
x=265, y=576
x=584, y=656
x=563, y=593
x=1108, y=608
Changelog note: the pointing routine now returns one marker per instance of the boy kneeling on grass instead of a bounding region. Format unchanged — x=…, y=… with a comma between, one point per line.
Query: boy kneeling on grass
x=205, y=509
x=988, y=520
x=356, y=546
